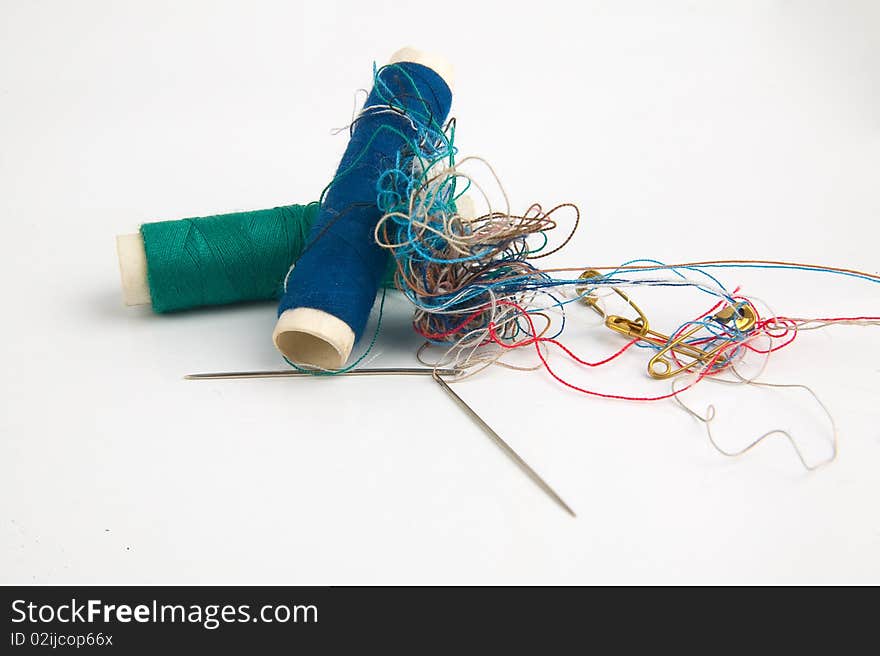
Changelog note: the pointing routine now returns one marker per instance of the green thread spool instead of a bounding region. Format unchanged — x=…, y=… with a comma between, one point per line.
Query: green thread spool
x=214, y=260
x=229, y=258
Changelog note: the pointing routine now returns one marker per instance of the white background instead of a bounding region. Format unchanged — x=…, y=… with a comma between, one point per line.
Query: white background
x=683, y=130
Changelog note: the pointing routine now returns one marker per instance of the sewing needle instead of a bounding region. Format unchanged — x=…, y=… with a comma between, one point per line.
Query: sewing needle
x=291, y=373
x=404, y=371
x=503, y=445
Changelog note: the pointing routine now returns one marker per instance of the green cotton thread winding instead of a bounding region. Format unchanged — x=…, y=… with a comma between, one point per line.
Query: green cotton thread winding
x=227, y=258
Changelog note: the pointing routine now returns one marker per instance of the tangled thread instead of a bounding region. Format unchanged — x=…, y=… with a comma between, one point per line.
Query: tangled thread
x=477, y=291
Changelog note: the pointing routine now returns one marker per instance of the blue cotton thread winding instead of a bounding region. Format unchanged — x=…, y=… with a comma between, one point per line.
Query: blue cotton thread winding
x=342, y=267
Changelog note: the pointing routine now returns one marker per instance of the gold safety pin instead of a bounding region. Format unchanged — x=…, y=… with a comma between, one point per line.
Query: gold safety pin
x=638, y=328
x=660, y=366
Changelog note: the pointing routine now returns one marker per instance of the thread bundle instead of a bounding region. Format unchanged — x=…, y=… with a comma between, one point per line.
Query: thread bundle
x=471, y=279
x=476, y=290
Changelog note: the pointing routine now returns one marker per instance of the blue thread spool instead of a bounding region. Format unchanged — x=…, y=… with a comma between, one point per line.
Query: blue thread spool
x=333, y=286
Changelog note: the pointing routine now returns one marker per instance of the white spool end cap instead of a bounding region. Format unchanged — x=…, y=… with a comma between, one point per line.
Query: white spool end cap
x=133, y=269
x=436, y=63
x=313, y=337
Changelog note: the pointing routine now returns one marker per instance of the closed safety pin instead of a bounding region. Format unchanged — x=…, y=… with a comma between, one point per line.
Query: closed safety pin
x=633, y=328
x=660, y=366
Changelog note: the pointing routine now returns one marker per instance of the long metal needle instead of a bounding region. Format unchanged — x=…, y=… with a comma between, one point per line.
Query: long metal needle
x=503, y=445
x=405, y=371
x=292, y=373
